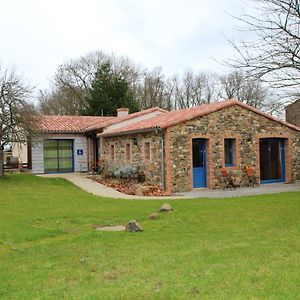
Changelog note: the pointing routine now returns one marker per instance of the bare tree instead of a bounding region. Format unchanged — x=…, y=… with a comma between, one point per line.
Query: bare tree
x=62, y=101
x=16, y=115
x=194, y=89
x=273, y=55
x=243, y=88
x=154, y=89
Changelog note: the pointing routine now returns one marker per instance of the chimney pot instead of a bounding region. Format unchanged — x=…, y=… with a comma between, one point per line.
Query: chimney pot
x=123, y=111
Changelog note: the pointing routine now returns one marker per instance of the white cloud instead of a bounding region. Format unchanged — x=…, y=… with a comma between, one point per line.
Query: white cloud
x=37, y=36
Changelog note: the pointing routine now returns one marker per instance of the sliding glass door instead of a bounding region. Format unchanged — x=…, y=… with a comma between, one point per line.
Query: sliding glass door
x=58, y=156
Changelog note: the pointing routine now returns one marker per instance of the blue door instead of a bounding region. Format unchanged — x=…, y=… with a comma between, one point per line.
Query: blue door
x=199, y=163
x=272, y=160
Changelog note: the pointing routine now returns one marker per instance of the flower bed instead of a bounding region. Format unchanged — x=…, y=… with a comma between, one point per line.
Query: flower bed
x=131, y=187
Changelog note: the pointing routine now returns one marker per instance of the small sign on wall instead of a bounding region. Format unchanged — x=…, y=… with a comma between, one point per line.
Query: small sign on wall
x=79, y=152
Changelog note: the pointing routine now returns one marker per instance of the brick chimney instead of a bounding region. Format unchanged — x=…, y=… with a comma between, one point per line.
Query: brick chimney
x=123, y=111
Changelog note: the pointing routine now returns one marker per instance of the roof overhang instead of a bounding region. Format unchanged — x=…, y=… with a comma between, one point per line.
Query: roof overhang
x=144, y=130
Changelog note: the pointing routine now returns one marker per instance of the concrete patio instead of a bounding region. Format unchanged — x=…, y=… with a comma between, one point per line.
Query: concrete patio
x=98, y=189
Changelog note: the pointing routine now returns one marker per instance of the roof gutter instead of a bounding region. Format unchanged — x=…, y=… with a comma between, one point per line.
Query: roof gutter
x=60, y=132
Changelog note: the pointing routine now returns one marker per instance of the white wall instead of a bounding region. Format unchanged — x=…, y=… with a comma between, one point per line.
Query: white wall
x=19, y=150
x=37, y=156
x=80, y=143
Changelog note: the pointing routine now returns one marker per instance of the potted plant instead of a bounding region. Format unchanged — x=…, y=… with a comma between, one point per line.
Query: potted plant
x=250, y=171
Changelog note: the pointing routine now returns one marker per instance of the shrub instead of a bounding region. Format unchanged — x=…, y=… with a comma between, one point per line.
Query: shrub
x=125, y=172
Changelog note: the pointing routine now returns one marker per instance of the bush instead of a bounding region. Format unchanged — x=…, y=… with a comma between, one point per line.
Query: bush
x=125, y=172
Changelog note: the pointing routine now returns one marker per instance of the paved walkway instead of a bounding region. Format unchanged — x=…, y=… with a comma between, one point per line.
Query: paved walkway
x=98, y=189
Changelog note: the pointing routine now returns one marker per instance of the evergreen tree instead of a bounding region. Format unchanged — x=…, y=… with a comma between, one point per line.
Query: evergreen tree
x=109, y=91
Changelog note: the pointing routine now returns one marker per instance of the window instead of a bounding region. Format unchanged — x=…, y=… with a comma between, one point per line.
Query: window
x=112, y=151
x=127, y=151
x=229, y=149
x=147, y=151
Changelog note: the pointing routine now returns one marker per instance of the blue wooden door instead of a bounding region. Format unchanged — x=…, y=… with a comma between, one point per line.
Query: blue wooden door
x=199, y=163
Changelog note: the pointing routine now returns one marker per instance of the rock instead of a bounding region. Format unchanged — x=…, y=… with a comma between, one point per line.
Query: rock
x=133, y=226
x=140, y=190
x=154, y=216
x=166, y=208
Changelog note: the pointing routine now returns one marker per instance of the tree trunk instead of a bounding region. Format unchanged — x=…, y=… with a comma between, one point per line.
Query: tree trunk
x=1, y=162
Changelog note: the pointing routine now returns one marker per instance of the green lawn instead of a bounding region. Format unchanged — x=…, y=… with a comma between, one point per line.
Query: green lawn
x=243, y=248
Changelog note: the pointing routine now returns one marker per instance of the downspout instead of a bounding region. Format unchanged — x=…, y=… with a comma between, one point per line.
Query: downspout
x=162, y=142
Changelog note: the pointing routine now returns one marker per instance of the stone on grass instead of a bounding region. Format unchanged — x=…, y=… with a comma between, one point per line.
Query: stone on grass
x=110, y=228
x=133, y=226
x=166, y=208
x=154, y=216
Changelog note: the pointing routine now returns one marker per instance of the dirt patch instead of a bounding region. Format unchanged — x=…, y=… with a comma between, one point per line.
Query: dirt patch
x=110, y=228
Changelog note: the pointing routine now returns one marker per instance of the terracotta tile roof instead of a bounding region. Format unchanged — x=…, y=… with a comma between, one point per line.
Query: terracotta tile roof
x=68, y=124
x=123, y=118
x=77, y=124
x=175, y=117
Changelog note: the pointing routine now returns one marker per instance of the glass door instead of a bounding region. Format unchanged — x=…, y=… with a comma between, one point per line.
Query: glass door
x=58, y=156
x=272, y=160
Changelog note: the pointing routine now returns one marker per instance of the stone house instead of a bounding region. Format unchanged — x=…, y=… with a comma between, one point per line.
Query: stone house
x=187, y=149
x=180, y=150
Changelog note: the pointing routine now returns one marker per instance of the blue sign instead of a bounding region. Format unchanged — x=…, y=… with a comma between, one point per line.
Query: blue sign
x=79, y=152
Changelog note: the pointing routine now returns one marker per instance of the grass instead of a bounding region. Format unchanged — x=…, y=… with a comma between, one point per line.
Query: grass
x=242, y=248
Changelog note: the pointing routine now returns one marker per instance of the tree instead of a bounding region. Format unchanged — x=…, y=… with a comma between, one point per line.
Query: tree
x=273, y=55
x=60, y=101
x=16, y=114
x=73, y=81
x=246, y=89
x=194, y=89
x=109, y=92
x=154, y=90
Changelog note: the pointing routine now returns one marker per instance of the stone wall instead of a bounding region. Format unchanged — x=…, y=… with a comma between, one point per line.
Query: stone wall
x=151, y=168
x=236, y=122
x=293, y=113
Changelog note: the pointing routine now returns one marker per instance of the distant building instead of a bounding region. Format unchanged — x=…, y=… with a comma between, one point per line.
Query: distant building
x=292, y=112
x=20, y=151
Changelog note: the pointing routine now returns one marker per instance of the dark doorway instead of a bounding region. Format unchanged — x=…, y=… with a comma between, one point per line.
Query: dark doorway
x=272, y=160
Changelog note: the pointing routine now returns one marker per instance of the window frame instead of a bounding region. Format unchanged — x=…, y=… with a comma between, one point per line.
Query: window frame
x=232, y=152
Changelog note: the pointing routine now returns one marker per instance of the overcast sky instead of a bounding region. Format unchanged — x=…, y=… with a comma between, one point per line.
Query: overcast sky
x=38, y=35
